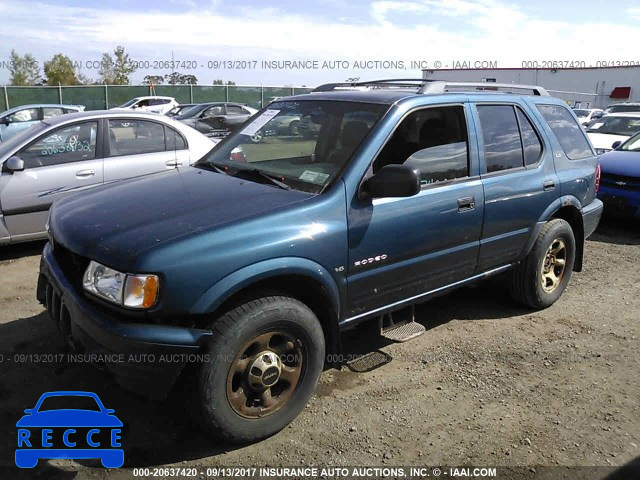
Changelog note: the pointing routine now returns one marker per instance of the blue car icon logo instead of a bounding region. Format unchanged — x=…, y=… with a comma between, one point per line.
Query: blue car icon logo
x=72, y=425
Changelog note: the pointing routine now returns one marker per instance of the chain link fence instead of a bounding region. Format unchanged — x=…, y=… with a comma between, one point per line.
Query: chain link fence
x=99, y=97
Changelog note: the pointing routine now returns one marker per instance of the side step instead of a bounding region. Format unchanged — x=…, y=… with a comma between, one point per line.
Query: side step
x=404, y=332
x=401, y=326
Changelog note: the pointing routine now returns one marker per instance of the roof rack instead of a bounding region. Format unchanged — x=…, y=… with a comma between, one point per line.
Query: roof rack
x=442, y=86
x=432, y=87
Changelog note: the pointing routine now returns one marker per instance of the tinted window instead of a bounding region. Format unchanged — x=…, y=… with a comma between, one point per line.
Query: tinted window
x=26, y=115
x=570, y=135
x=174, y=140
x=67, y=144
x=216, y=110
x=433, y=141
x=48, y=112
x=235, y=110
x=502, y=147
x=530, y=140
x=134, y=137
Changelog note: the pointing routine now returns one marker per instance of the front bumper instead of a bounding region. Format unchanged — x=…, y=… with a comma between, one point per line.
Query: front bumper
x=145, y=358
x=619, y=202
x=591, y=217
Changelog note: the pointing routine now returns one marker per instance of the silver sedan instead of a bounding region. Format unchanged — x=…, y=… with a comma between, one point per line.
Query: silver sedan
x=79, y=151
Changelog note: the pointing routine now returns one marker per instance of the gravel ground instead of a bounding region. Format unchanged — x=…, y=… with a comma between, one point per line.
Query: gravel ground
x=489, y=384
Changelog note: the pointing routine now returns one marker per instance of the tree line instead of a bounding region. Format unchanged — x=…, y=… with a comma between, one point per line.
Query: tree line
x=114, y=69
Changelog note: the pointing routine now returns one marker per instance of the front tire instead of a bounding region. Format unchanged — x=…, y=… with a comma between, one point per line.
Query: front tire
x=264, y=361
x=541, y=278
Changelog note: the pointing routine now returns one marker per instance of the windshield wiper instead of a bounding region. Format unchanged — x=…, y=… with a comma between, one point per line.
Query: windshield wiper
x=213, y=166
x=256, y=172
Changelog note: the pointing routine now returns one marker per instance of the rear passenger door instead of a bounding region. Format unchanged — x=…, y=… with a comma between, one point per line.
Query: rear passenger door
x=518, y=177
x=139, y=147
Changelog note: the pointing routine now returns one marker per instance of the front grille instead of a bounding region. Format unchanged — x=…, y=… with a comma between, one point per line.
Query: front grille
x=621, y=182
x=71, y=264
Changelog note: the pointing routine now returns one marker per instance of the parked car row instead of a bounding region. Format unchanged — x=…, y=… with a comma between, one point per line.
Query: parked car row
x=79, y=151
x=20, y=118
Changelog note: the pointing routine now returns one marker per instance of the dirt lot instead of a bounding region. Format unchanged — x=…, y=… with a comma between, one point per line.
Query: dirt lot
x=489, y=383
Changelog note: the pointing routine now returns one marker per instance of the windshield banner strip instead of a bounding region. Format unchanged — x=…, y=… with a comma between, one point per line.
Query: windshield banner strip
x=260, y=122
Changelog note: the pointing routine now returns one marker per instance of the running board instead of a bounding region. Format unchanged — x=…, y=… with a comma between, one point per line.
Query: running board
x=401, y=325
x=404, y=332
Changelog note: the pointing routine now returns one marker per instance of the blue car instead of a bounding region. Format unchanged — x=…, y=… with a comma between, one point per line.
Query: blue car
x=55, y=429
x=620, y=180
x=20, y=118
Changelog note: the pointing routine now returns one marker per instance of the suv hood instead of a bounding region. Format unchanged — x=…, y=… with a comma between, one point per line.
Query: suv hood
x=620, y=162
x=116, y=223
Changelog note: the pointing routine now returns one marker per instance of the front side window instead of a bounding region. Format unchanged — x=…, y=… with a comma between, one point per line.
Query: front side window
x=568, y=132
x=431, y=140
x=26, y=115
x=303, y=162
x=134, y=137
x=502, y=147
x=49, y=112
x=67, y=144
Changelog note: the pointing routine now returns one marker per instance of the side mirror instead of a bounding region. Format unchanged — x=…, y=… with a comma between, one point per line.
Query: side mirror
x=15, y=164
x=29, y=411
x=392, y=181
x=616, y=144
x=109, y=411
x=7, y=120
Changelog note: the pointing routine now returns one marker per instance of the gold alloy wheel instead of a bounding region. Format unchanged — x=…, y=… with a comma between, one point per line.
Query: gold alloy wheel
x=265, y=374
x=553, y=266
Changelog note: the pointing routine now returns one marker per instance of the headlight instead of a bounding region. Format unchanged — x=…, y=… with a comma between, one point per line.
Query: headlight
x=133, y=291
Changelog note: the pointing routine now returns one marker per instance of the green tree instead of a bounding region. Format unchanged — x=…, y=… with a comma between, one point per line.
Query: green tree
x=153, y=80
x=219, y=81
x=23, y=70
x=177, y=78
x=115, y=69
x=60, y=71
x=107, y=70
x=124, y=66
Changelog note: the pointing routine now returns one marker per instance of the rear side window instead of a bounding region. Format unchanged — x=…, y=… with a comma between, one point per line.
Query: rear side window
x=174, y=140
x=570, y=135
x=531, y=144
x=502, y=147
x=134, y=137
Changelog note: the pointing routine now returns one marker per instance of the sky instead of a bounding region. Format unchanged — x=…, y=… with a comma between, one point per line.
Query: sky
x=336, y=39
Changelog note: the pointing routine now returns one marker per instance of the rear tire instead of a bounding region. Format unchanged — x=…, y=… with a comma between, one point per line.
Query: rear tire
x=541, y=278
x=265, y=359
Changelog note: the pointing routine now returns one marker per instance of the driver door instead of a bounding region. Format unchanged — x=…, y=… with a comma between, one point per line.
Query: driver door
x=58, y=163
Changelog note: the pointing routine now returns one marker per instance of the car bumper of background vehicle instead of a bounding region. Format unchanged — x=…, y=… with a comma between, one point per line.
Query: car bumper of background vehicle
x=591, y=217
x=619, y=202
x=145, y=358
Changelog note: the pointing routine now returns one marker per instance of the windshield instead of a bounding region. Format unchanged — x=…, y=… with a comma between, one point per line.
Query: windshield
x=306, y=155
x=12, y=143
x=622, y=108
x=615, y=125
x=632, y=145
x=190, y=111
x=129, y=103
x=581, y=113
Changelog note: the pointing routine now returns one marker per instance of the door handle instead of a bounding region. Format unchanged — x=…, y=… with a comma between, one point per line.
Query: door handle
x=173, y=163
x=466, y=203
x=85, y=173
x=548, y=185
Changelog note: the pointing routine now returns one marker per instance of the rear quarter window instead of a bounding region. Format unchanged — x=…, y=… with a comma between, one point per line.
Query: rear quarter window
x=569, y=133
